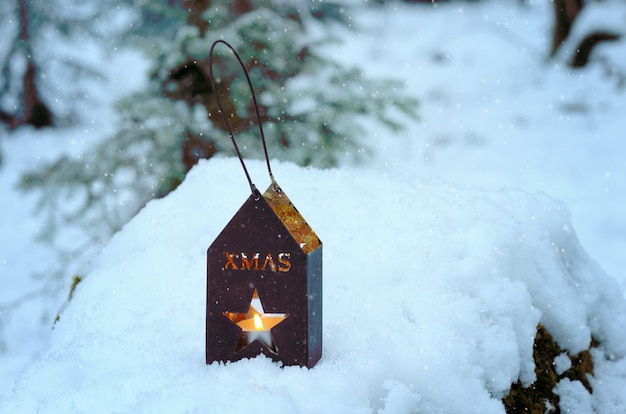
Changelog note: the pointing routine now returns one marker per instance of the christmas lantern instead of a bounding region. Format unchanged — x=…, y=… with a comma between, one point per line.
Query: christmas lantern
x=264, y=275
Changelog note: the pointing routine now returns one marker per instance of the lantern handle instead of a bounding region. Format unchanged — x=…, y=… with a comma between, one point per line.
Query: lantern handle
x=225, y=120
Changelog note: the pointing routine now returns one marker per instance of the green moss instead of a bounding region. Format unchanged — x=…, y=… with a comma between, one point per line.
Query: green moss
x=75, y=281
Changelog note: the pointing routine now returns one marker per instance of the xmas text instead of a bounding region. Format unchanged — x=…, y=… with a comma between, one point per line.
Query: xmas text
x=243, y=261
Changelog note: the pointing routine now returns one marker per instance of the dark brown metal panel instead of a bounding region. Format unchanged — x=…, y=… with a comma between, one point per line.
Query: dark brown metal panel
x=256, y=251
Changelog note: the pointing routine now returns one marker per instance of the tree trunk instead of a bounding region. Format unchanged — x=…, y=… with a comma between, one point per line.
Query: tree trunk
x=31, y=110
x=565, y=12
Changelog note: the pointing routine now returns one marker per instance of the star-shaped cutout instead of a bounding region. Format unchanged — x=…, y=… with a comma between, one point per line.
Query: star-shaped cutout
x=256, y=325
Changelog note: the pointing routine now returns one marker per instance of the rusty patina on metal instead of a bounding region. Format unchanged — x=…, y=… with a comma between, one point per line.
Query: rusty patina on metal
x=291, y=218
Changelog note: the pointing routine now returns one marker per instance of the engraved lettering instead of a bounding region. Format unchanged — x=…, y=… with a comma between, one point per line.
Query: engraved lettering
x=246, y=264
x=231, y=261
x=269, y=260
x=246, y=261
x=284, y=259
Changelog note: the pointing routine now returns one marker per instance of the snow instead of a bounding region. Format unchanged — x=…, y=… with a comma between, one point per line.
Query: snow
x=575, y=399
x=496, y=112
x=431, y=300
x=31, y=295
x=562, y=363
x=441, y=255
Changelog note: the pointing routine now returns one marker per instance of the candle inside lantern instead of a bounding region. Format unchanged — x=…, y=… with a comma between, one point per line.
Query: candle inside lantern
x=254, y=330
x=258, y=322
x=256, y=325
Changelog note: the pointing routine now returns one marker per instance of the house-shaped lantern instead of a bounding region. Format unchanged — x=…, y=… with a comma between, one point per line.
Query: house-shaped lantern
x=264, y=280
x=264, y=285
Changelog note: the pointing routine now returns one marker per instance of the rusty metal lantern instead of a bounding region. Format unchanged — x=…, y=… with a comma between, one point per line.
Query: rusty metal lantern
x=264, y=275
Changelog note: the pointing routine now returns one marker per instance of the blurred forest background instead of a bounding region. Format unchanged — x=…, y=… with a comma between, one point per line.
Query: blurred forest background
x=312, y=105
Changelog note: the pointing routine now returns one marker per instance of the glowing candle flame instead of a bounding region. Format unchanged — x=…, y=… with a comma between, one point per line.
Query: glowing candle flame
x=258, y=322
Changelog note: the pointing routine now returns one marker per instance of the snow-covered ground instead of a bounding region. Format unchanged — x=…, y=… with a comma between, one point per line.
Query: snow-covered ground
x=432, y=296
x=441, y=254
x=495, y=112
x=28, y=268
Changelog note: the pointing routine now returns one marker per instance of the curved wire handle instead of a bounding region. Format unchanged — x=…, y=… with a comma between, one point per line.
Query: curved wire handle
x=225, y=120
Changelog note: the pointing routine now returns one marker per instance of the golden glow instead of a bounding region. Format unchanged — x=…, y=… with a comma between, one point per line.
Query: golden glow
x=258, y=322
x=256, y=325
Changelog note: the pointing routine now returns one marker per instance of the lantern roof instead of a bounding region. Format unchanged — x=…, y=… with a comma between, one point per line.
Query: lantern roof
x=289, y=215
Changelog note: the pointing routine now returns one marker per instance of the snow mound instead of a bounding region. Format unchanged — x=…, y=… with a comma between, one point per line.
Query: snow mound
x=432, y=296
